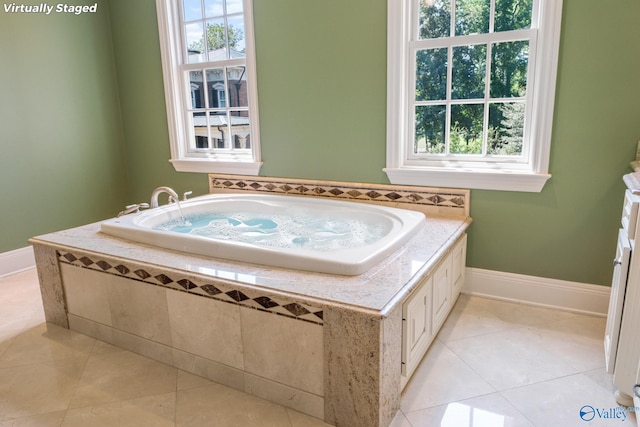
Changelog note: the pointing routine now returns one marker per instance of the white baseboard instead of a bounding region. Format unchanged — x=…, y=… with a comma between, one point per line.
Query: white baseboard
x=16, y=261
x=539, y=291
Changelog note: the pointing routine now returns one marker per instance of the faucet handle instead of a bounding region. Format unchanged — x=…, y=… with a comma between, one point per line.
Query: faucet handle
x=187, y=194
x=135, y=208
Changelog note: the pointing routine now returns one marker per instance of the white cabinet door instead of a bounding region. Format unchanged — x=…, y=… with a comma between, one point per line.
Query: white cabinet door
x=616, y=300
x=416, y=327
x=426, y=309
x=442, y=293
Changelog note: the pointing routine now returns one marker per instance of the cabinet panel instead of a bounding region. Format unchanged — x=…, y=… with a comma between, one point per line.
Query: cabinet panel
x=416, y=326
x=426, y=309
x=630, y=214
x=458, y=266
x=616, y=300
x=442, y=292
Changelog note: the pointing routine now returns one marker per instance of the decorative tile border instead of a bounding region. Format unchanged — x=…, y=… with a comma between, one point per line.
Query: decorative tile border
x=218, y=291
x=455, y=199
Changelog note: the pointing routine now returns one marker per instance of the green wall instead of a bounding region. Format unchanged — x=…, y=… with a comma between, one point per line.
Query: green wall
x=569, y=230
x=61, y=161
x=322, y=96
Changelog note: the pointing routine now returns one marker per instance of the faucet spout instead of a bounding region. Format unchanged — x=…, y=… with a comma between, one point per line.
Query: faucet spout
x=173, y=196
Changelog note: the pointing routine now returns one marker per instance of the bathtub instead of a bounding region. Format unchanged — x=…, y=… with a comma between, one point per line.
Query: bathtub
x=302, y=233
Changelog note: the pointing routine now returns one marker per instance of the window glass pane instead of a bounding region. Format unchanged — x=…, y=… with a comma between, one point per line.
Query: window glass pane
x=219, y=129
x=465, y=136
x=431, y=74
x=213, y=8
x=469, y=68
x=506, y=128
x=234, y=6
x=192, y=10
x=196, y=88
x=200, y=132
x=216, y=39
x=237, y=80
x=512, y=15
x=509, y=63
x=236, y=37
x=216, y=88
x=240, y=130
x=430, y=129
x=195, y=42
x=434, y=18
x=472, y=17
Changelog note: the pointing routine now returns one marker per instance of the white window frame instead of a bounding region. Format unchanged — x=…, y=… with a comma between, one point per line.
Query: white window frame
x=178, y=93
x=529, y=175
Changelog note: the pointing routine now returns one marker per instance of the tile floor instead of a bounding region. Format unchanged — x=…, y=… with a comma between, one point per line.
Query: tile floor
x=494, y=364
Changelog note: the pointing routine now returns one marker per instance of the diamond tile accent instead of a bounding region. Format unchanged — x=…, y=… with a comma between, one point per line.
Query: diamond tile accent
x=237, y=295
x=265, y=302
x=211, y=290
x=122, y=269
x=165, y=280
x=373, y=194
x=103, y=265
x=296, y=309
x=456, y=200
x=86, y=261
x=69, y=257
x=226, y=292
x=142, y=274
x=187, y=284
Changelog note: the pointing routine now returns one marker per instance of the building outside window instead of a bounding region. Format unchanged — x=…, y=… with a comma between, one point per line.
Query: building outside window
x=209, y=74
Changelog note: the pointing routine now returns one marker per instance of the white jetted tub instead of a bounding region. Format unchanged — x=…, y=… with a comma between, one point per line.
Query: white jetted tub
x=302, y=233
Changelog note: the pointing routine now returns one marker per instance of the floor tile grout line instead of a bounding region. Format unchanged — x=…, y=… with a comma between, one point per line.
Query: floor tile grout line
x=531, y=384
x=518, y=386
x=469, y=366
x=75, y=387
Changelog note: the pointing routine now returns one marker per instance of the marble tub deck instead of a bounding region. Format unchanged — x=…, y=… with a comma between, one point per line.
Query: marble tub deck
x=360, y=315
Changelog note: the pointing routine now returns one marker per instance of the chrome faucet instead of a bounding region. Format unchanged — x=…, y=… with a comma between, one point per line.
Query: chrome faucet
x=173, y=196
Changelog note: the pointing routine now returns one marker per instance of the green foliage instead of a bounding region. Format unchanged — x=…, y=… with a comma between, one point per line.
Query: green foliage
x=506, y=137
x=216, y=38
x=508, y=76
x=472, y=17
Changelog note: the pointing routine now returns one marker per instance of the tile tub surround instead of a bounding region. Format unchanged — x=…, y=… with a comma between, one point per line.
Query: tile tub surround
x=438, y=201
x=356, y=319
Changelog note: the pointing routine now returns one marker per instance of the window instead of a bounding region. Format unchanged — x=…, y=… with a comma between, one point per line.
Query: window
x=471, y=87
x=208, y=64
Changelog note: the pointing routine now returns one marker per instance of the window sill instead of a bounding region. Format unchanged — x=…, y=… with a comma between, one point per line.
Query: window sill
x=210, y=166
x=473, y=179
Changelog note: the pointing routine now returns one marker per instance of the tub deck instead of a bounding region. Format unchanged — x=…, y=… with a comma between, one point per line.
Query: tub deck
x=374, y=291
x=334, y=347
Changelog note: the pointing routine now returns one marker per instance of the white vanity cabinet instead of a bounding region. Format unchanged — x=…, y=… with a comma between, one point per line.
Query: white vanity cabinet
x=428, y=306
x=622, y=347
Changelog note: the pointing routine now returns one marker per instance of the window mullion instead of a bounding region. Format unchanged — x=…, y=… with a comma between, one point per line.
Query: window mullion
x=452, y=24
x=487, y=97
x=502, y=36
x=492, y=15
